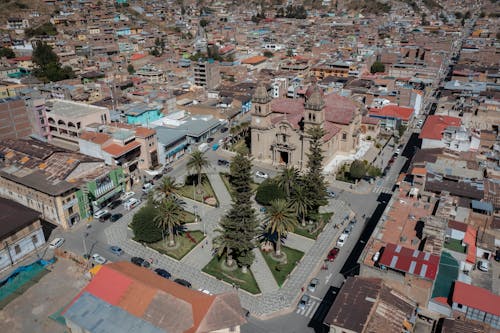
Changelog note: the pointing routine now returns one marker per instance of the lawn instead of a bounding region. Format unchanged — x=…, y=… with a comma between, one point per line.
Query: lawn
x=236, y=277
x=225, y=179
x=186, y=244
x=312, y=231
x=188, y=190
x=187, y=217
x=282, y=270
x=454, y=245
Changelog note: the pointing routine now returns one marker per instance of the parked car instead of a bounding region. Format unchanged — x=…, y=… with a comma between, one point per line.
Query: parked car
x=105, y=217
x=261, y=174
x=331, y=194
x=210, y=139
x=483, y=265
x=223, y=163
x=100, y=213
x=397, y=152
x=127, y=195
x=98, y=259
x=131, y=203
x=304, y=301
x=140, y=262
x=376, y=256
x=116, y=250
x=497, y=255
x=342, y=239
x=115, y=217
x=183, y=282
x=147, y=187
x=223, y=129
x=167, y=169
x=115, y=204
x=333, y=254
x=312, y=285
x=163, y=273
x=347, y=230
x=56, y=242
x=157, y=177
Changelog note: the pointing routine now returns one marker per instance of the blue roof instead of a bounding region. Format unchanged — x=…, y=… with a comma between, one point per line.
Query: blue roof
x=482, y=205
x=96, y=316
x=168, y=136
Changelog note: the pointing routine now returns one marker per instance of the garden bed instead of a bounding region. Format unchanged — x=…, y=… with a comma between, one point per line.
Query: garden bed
x=235, y=277
x=312, y=231
x=281, y=270
x=189, y=191
x=186, y=242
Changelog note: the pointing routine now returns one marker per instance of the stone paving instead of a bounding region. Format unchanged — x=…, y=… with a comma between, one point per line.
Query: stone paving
x=273, y=299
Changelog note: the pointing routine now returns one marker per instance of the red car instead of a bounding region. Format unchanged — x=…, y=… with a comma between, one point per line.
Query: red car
x=333, y=254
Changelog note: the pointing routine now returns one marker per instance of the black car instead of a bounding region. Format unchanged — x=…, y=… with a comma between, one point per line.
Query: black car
x=184, y=283
x=115, y=217
x=223, y=129
x=115, y=204
x=210, y=140
x=163, y=273
x=140, y=262
x=223, y=162
x=105, y=217
x=157, y=177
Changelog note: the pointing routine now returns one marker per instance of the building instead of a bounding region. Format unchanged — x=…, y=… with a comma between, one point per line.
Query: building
x=14, y=119
x=280, y=126
x=64, y=186
x=369, y=305
x=20, y=232
x=337, y=69
x=434, y=128
x=172, y=144
x=206, y=74
x=15, y=23
x=476, y=304
x=392, y=116
x=123, y=298
x=142, y=114
x=67, y=119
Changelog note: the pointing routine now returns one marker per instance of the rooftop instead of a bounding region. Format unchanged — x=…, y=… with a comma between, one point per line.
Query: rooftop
x=14, y=217
x=476, y=297
x=70, y=109
x=435, y=125
x=392, y=111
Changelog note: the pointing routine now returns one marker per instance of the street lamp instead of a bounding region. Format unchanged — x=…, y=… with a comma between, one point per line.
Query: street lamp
x=195, y=213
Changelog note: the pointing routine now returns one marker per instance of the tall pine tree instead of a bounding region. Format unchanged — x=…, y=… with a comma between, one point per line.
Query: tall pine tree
x=240, y=219
x=314, y=182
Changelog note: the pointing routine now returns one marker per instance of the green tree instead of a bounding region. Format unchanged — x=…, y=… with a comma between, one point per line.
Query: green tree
x=268, y=54
x=280, y=220
x=377, y=67
x=7, y=53
x=47, y=66
x=197, y=161
x=144, y=227
x=224, y=243
x=287, y=179
x=300, y=202
x=168, y=217
x=313, y=181
x=357, y=170
x=130, y=69
x=167, y=187
x=203, y=23
x=267, y=191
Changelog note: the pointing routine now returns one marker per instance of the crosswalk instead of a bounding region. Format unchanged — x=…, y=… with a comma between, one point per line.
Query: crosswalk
x=309, y=310
x=382, y=189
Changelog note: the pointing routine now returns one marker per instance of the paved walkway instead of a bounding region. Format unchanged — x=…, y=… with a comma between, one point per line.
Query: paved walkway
x=273, y=299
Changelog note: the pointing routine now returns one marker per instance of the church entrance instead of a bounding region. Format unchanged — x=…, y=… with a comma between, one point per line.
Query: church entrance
x=283, y=157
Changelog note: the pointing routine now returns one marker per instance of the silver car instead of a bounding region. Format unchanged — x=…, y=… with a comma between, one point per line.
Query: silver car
x=312, y=285
x=304, y=301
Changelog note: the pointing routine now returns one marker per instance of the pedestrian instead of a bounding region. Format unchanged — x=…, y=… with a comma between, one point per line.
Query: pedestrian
x=302, y=289
x=202, y=246
x=206, y=242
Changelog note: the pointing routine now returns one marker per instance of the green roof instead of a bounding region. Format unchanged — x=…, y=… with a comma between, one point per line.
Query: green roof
x=447, y=274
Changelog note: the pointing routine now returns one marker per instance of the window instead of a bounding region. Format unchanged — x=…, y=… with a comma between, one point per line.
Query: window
x=34, y=239
x=344, y=136
x=70, y=210
x=17, y=249
x=258, y=137
x=284, y=138
x=459, y=305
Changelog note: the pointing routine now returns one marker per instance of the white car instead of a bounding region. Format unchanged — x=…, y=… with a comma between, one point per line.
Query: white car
x=100, y=213
x=127, y=195
x=56, y=242
x=98, y=259
x=261, y=174
x=342, y=239
x=131, y=203
x=205, y=291
x=483, y=265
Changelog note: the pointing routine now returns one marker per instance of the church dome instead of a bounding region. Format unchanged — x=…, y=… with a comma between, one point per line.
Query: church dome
x=261, y=95
x=315, y=100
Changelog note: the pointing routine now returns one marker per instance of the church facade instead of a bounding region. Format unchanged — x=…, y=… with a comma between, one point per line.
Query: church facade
x=279, y=126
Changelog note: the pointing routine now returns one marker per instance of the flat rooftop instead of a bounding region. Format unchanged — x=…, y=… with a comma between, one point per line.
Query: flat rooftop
x=70, y=109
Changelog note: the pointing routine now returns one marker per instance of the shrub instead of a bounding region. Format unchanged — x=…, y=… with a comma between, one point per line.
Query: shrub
x=357, y=169
x=268, y=190
x=144, y=227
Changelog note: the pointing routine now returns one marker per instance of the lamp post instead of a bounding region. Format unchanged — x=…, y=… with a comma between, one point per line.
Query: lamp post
x=85, y=255
x=195, y=213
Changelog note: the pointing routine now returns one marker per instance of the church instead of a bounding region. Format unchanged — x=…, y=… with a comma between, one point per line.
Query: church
x=279, y=126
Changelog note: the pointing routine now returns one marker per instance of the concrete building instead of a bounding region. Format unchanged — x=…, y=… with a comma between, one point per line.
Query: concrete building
x=142, y=114
x=207, y=74
x=14, y=119
x=67, y=119
x=280, y=126
x=20, y=232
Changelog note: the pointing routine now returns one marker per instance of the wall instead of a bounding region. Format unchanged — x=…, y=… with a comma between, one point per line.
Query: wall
x=14, y=120
x=25, y=243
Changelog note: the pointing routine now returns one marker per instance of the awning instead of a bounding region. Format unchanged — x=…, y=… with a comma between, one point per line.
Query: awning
x=484, y=206
x=176, y=150
x=108, y=195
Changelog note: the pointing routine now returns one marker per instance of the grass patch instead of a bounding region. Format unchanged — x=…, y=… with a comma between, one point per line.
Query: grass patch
x=282, y=270
x=244, y=281
x=188, y=191
x=187, y=217
x=185, y=244
x=225, y=179
x=454, y=245
x=312, y=231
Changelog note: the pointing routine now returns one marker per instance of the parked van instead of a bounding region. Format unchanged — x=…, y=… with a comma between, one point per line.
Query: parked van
x=203, y=147
x=131, y=203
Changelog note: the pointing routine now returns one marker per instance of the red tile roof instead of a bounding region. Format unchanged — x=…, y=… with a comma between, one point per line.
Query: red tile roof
x=97, y=138
x=255, y=60
x=137, y=56
x=116, y=150
x=476, y=297
x=369, y=120
x=470, y=240
x=435, y=125
x=392, y=111
x=415, y=262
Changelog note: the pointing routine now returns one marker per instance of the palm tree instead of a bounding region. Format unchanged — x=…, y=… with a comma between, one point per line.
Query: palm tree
x=167, y=186
x=300, y=202
x=223, y=245
x=287, y=180
x=169, y=217
x=196, y=163
x=280, y=219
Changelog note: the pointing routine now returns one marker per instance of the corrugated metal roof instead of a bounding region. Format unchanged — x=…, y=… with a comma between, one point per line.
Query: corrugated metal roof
x=411, y=261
